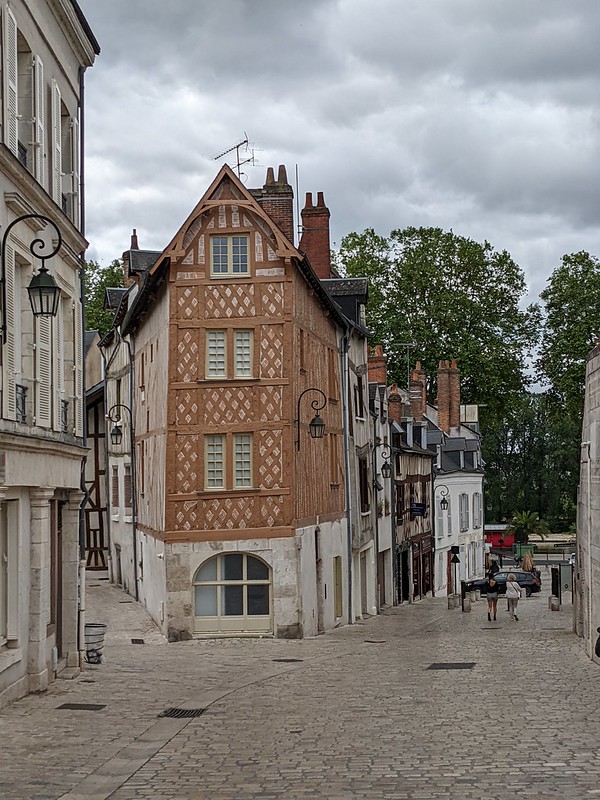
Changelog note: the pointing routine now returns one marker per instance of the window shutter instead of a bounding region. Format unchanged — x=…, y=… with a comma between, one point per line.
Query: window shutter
x=75, y=163
x=56, y=145
x=449, y=515
x=58, y=338
x=43, y=372
x=9, y=391
x=467, y=510
x=439, y=519
x=39, y=111
x=11, y=95
x=78, y=368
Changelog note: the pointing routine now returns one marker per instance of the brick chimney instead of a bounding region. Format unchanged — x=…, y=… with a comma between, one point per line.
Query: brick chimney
x=415, y=396
x=395, y=404
x=377, y=365
x=315, y=235
x=422, y=378
x=454, y=394
x=277, y=199
x=130, y=277
x=443, y=398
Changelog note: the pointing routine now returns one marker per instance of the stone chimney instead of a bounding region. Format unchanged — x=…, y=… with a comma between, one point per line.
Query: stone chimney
x=443, y=398
x=277, y=199
x=454, y=395
x=395, y=404
x=315, y=235
x=377, y=365
x=422, y=378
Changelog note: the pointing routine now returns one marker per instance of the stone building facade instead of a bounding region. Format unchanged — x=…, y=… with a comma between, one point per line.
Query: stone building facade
x=46, y=47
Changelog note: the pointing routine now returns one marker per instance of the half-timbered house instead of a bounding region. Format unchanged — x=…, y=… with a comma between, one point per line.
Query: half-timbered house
x=239, y=519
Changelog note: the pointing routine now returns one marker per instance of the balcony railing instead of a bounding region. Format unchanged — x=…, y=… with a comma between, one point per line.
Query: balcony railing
x=20, y=405
x=64, y=416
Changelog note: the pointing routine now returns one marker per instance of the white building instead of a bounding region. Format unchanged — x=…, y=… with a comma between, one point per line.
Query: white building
x=46, y=47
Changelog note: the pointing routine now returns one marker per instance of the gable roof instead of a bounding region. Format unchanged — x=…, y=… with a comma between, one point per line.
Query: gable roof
x=176, y=250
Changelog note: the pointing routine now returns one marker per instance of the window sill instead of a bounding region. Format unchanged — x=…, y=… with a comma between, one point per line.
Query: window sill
x=241, y=490
x=127, y=518
x=224, y=379
x=9, y=656
x=115, y=517
x=365, y=513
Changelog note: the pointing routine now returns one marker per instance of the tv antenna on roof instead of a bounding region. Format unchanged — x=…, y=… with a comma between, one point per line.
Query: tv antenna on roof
x=240, y=160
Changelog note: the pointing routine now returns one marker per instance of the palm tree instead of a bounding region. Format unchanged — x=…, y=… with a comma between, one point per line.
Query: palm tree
x=526, y=523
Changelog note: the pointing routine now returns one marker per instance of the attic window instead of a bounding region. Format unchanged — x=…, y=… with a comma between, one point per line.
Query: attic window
x=229, y=255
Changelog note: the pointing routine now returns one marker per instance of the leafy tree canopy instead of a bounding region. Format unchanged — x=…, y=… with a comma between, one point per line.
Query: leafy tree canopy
x=450, y=297
x=572, y=327
x=97, y=279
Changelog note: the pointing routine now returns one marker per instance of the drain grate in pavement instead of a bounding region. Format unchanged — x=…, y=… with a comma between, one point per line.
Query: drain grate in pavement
x=375, y=641
x=453, y=665
x=287, y=660
x=86, y=680
x=82, y=706
x=137, y=641
x=182, y=713
x=125, y=601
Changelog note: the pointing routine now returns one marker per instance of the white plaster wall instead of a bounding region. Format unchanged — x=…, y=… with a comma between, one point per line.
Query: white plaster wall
x=332, y=543
x=153, y=592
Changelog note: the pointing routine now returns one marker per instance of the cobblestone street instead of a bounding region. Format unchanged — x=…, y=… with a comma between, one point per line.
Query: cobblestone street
x=354, y=713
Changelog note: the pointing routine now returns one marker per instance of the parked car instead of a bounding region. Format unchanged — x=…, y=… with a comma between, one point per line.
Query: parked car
x=527, y=580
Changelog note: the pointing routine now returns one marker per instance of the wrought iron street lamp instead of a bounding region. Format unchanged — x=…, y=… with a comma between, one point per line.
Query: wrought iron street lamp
x=316, y=426
x=444, y=492
x=44, y=294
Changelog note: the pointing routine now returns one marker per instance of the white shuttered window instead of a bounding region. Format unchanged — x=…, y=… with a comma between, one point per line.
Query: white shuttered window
x=56, y=145
x=9, y=351
x=11, y=93
x=78, y=368
x=43, y=372
x=39, y=100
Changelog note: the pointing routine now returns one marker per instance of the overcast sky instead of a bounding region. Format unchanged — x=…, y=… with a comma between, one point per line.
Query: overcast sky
x=476, y=115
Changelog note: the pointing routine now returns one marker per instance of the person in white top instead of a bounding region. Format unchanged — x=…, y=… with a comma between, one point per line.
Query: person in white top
x=513, y=594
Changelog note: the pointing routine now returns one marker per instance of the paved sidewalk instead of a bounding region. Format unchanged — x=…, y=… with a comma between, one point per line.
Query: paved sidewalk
x=355, y=713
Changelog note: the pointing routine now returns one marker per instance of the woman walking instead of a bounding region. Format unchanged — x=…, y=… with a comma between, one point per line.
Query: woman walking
x=513, y=593
x=491, y=590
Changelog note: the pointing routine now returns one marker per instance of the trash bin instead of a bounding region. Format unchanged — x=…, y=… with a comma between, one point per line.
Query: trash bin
x=94, y=641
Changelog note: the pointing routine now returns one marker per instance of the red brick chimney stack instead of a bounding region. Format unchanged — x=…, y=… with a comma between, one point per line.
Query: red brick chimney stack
x=315, y=235
x=443, y=398
x=395, y=404
x=134, y=241
x=277, y=199
x=415, y=396
x=454, y=395
x=422, y=378
x=377, y=365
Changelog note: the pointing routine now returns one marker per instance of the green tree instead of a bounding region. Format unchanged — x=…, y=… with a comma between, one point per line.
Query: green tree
x=450, y=297
x=97, y=279
x=531, y=462
x=571, y=327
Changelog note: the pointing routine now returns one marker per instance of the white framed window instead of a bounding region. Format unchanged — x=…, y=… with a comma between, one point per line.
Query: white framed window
x=242, y=354
x=229, y=354
x=477, y=510
x=216, y=354
x=242, y=460
x=229, y=255
x=232, y=593
x=214, y=460
x=449, y=516
x=9, y=572
x=464, y=512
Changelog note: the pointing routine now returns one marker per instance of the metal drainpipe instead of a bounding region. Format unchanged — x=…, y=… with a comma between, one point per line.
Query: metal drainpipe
x=587, y=445
x=376, y=493
x=344, y=371
x=133, y=465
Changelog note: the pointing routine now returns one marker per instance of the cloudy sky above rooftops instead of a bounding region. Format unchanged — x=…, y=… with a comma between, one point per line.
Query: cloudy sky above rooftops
x=476, y=115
